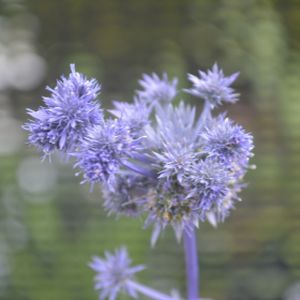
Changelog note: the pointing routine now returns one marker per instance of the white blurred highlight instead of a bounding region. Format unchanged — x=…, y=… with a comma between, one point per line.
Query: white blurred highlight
x=292, y=292
x=11, y=135
x=26, y=71
x=21, y=67
x=36, y=177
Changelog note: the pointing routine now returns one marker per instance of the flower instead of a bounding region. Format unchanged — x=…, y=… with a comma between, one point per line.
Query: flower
x=156, y=89
x=175, y=162
x=208, y=182
x=213, y=86
x=67, y=115
x=228, y=142
x=175, y=125
x=114, y=271
x=104, y=151
x=135, y=115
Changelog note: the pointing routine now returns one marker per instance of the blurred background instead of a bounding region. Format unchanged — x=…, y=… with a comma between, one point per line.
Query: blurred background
x=50, y=226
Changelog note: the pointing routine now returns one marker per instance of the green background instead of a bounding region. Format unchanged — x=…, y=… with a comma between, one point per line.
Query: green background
x=50, y=226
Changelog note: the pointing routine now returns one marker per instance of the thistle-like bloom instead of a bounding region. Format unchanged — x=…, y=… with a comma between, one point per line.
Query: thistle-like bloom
x=227, y=142
x=213, y=86
x=156, y=89
x=68, y=113
x=104, y=151
x=175, y=162
x=175, y=125
x=208, y=183
x=114, y=273
x=135, y=115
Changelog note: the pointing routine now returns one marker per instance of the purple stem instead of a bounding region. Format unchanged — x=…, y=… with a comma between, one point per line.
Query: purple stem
x=149, y=292
x=205, y=115
x=139, y=169
x=191, y=260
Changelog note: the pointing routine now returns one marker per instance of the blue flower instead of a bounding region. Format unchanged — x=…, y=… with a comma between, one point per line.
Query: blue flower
x=156, y=89
x=114, y=273
x=208, y=182
x=135, y=115
x=104, y=151
x=228, y=142
x=213, y=86
x=68, y=113
x=175, y=125
x=175, y=162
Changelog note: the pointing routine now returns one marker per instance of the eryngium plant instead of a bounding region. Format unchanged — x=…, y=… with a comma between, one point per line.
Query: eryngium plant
x=152, y=157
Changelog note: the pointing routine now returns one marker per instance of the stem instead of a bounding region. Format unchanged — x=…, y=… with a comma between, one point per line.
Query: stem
x=149, y=292
x=191, y=260
x=139, y=169
x=142, y=158
x=206, y=114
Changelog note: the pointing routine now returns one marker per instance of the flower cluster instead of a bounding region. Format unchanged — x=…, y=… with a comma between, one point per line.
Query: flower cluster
x=151, y=156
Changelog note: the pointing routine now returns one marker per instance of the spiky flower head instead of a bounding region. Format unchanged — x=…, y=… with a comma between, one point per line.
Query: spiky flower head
x=175, y=125
x=227, y=142
x=104, y=150
x=69, y=112
x=157, y=89
x=213, y=86
x=208, y=182
x=135, y=115
x=114, y=271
